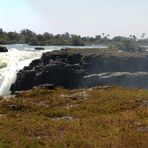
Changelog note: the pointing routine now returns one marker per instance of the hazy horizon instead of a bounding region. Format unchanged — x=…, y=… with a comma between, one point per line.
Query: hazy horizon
x=84, y=17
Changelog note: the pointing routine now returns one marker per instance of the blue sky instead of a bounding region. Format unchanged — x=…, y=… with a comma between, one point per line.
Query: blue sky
x=84, y=17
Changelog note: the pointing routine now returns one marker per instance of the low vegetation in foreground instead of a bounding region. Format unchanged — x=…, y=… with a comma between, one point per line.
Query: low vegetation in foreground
x=91, y=118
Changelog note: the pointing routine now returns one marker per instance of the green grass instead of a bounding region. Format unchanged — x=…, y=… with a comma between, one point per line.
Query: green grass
x=90, y=118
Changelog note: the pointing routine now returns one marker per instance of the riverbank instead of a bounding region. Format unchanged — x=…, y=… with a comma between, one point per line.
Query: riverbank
x=96, y=117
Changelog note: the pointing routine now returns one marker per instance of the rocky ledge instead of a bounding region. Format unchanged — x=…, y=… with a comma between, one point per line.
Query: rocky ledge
x=75, y=68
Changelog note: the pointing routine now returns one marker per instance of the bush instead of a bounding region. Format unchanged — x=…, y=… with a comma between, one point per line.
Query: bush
x=126, y=45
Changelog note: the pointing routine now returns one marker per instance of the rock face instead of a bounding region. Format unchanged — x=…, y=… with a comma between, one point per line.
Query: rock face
x=126, y=79
x=3, y=49
x=74, y=68
x=59, y=69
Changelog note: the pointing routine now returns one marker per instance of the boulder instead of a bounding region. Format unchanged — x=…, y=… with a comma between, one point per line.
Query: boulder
x=39, y=48
x=3, y=49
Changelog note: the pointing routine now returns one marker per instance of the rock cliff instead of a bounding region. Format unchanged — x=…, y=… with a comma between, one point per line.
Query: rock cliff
x=74, y=68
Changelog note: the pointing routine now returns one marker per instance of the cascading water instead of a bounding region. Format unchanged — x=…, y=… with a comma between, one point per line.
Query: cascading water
x=12, y=62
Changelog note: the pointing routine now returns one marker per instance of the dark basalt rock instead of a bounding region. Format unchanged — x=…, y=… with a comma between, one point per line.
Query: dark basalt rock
x=39, y=48
x=125, y=79
x=3, y=49
x=45, y=86
x=74, y=58
x=74, y=69
x=25, y=80
x=58, y=69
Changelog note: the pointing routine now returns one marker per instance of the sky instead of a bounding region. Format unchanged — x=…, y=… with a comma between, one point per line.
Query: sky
x=84, y=17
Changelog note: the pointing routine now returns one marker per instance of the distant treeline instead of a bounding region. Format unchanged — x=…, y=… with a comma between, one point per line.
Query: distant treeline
x=27, y=36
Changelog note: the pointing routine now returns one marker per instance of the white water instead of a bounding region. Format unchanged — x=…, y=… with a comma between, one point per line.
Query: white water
x=11, y=62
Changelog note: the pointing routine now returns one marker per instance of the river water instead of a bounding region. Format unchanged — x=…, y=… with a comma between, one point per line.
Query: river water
x=16, y=58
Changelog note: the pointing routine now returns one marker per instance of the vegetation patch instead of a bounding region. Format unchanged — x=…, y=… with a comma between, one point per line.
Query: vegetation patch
x=109, y=117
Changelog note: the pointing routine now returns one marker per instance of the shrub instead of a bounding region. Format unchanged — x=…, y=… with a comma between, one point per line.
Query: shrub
x=126, y=45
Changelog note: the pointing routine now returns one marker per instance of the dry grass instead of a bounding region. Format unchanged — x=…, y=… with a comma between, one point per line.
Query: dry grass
x=106, y=52
x=106, y=117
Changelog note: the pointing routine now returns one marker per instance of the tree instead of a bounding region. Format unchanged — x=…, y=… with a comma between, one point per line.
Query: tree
x=66, y=35
x=103, y=34
x=1, y=31
x=76, y=41
x=27, y=32
x=98, y=37
x=33, y=41
x=134, y=38
x=126, y=45
x=143, y=35
x=12, y=36
x=47, y=35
